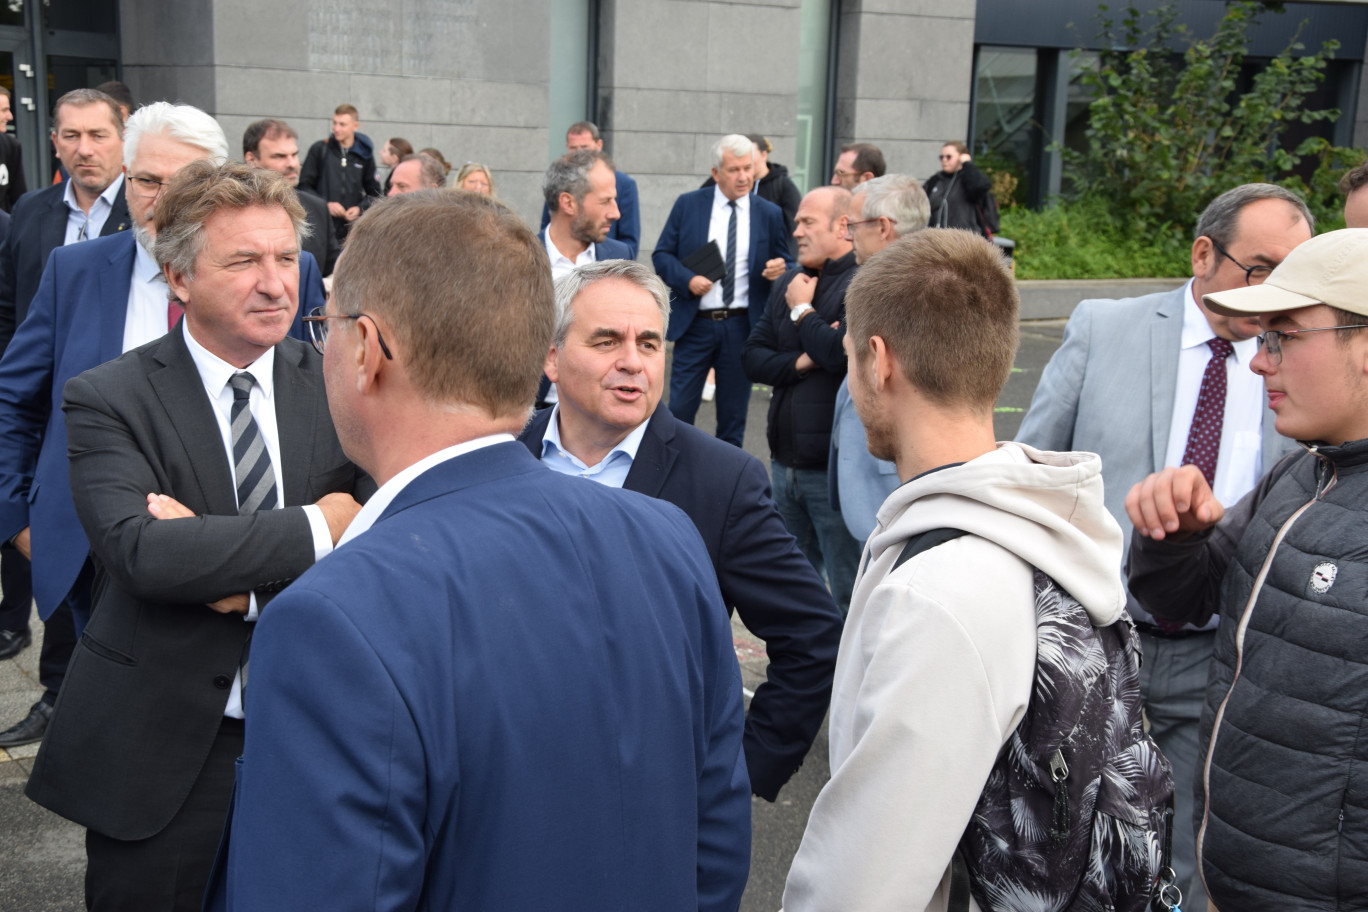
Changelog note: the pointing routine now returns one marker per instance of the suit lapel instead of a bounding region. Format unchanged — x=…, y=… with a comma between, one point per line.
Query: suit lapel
x=115, y=287
x=52, y=232
x=655, y=457
x=119, y=219
x=181, y=392
x=1165, y=338
x=296, y=407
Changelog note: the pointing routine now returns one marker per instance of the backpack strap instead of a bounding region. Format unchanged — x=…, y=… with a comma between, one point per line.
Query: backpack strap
x=959, y=884
x=925, y=541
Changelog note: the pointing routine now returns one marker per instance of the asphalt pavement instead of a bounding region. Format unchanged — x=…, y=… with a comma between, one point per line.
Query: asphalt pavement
x=42, y=857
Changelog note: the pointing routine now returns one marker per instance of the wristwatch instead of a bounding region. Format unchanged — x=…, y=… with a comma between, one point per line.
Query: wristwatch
x=797, y=312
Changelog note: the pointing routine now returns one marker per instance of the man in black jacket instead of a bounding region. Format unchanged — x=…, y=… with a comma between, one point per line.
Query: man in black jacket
x=341, y=170
x=12, y=184
x=273, y=144
x=796, y=349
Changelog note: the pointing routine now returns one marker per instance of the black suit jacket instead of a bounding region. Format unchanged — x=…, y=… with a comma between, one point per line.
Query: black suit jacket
x=761, y=573
x=37, y=227
x=322, y=243
x=145, y=692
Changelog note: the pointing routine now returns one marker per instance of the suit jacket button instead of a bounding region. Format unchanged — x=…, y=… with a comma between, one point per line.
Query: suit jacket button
x=222, y=682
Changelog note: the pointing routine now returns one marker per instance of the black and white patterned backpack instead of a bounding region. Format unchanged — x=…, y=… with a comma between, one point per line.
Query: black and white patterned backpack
x=1073, y=814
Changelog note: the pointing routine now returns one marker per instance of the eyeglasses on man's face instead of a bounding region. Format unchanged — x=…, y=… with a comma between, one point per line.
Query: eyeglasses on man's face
x=146, y=186
x=1254, y=275
x=317, y=321
x=1272, y=340
x=850, y=226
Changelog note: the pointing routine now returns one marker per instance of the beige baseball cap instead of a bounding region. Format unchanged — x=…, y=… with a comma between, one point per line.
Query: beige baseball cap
x=1329, y=269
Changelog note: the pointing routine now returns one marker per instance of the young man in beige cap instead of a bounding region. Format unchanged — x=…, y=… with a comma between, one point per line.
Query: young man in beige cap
x=1281, y=811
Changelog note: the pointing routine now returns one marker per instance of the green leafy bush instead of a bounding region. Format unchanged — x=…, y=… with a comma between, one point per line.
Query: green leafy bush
x=1083, y=239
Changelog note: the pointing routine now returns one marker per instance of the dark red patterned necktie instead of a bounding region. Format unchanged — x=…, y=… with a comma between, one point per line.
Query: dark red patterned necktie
x=1204, y=438
x=174, y=311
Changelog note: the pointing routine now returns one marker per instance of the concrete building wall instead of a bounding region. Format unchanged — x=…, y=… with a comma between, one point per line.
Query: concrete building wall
x=905, y=77
x=675, y=75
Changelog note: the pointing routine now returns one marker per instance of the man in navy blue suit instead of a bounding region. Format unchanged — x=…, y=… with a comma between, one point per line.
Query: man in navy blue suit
x=608, y=357
x=506, y=689
x=627, y=229
x=709, y=321
x=96, y=300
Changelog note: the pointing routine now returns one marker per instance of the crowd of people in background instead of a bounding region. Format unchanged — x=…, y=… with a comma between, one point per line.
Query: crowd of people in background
x=514, y=685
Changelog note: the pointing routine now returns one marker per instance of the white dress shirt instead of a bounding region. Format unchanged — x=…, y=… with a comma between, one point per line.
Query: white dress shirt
x=717, y=231
x=1240, y=461
x=214, y=374
x=81, y=226
x=562, y=265
x=145, y=318
x=611, y=470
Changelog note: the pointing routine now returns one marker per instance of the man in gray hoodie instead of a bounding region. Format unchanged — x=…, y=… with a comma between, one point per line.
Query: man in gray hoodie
x=938, y=655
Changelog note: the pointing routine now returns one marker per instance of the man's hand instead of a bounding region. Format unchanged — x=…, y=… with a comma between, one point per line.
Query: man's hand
x=352, y=213
x=336, y=210
x=774, y=268
x=23, y=545
x=803, y=364
x=232, y=604
x=699, y=286
x=163, y=506
x=1174, y=502
x=801, y=290
x=339, y=510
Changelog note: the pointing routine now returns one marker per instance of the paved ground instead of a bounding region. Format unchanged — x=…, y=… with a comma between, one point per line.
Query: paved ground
x=42, y=858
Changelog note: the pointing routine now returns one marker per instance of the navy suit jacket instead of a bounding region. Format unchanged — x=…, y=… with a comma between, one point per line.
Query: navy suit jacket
x=546, y=713
x=762, y=574
x=687, y=229
x=37, y=227
x=76, y=322
x=627, y=229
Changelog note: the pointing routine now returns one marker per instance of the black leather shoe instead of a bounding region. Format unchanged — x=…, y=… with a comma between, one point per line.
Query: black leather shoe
x=29, y=730
x=13, y=642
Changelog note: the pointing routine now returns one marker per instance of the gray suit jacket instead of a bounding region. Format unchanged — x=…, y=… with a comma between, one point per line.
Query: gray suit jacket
x=1109, y=390
x=145, y=692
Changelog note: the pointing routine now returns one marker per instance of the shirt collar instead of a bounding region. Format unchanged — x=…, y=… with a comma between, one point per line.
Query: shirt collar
x=551, y=442
x=1197, y=331
x=145, y=268
x=556, y=257
x=69, y=195
x=215, y=372
x=720, y=201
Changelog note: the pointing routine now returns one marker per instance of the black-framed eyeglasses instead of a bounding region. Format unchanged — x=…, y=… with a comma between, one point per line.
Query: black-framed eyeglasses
x=146, y=185
x=1251, y=272
x=317, y=321
x=850, y=226
x=1272, y=340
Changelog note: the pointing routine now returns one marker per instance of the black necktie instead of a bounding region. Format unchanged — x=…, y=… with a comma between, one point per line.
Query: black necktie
x=729, y=280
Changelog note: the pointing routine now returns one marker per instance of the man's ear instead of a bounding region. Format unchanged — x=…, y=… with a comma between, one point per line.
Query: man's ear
x=178, y=283
x=1203, y=257
x=884, y=364
x=368, y=359
x=550, y=367
x=566, y=203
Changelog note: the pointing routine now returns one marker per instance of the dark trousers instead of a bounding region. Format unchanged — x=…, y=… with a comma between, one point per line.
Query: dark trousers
x=168, y=872
x=711, y=344
x=61, y=631
x=16, y=590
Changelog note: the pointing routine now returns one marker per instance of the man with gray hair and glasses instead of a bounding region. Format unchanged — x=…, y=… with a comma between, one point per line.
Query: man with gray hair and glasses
x=608, y=358
x=1164, y=380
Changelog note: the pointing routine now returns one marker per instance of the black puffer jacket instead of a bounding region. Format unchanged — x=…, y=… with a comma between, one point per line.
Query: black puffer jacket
x=1282, y=790
x=802, y=407
x=955, y=197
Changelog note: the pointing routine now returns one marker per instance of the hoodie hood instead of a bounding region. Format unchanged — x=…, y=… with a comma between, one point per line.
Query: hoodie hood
x=1044, y=507
x=362, y=147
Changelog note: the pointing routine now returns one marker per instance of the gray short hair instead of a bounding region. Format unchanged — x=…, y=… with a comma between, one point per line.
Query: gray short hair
x=897, y=197
x=570, y=174
x=734, y=143
x=571, y=285
x=1220, y=217
x=182, y=122
x=431, y=172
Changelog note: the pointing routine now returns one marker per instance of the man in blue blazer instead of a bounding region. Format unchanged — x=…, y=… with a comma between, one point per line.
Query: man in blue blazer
x=96, y=300
x=610, y=426
x=519, y=690
x=709, y=321
x=627, y=229
x=1126, y=384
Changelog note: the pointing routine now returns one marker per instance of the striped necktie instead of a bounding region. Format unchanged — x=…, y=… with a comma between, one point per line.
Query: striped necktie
x=256, y=487
x=729, y=280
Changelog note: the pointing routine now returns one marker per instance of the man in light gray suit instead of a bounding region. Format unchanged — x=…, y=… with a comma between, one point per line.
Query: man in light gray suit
x=881, y=211
x=1160, y=381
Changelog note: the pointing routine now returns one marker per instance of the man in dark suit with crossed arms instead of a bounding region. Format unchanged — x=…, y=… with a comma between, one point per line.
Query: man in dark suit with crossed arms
x=709, y=321
x=608, y=358
x=207, y=475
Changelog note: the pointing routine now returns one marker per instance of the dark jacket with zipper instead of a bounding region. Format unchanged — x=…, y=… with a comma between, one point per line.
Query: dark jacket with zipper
x=1282, y=787
x=955, y=198
x=341, y=177
x=802, y=407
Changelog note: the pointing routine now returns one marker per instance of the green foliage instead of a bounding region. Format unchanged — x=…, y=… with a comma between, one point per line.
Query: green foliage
x=1167, y=134
x=1083, y=239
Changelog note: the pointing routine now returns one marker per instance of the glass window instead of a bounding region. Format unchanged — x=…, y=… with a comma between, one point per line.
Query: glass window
x=80, y=16
x=1005, y=113
x=568, y=100
x=814, y=46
